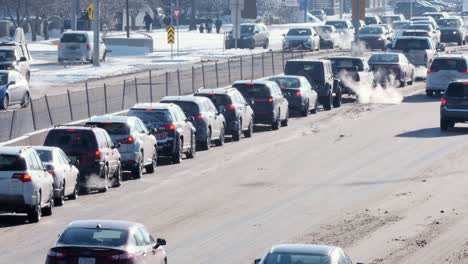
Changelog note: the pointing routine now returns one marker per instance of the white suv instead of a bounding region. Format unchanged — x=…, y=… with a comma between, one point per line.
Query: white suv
x=25, y=186
x=445, y=69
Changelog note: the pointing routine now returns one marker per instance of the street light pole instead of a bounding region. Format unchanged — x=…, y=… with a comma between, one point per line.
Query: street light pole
x=97, y=41
x=128, y=19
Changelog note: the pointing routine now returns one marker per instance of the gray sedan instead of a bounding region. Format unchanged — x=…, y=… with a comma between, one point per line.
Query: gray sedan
x=14, y=89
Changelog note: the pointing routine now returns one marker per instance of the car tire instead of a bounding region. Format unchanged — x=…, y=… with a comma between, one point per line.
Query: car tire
x=220, y=141
x=315, y=109
x=137, y=172
x=446, y=124
x=429, y=93
x=337, y=100
x=402, y=83
x=59, y=201
x=5, y=103
x=35, y=213
x=105, y=180
x=277, y=122
x=236, y=135
x=205, y=145
x=117, y=177
x=305, y=112
x=177, y=156
x=193, y=148
x=248, y=133
x=26, y=100
x=411, y=82
x=460, y=43
x=49, y=210
x=75, y=194
x=285, y=122
x=154, y=163
x=267, y=43
x=327, y=102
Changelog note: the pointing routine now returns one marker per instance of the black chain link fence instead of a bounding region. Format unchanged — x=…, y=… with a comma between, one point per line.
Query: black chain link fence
x=53, y=110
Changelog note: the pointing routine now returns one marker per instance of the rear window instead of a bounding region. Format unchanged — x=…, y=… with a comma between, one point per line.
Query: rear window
x=347, y=63
x=253, y=90
x=7, y=55
x=415, y=34
x=94, y=237
x=12, y=163
x=371, y=30
x=313, y=71
x=337, y=24
x=67, y=139
x=112, y=128
x=384, y=58
x=420, y=27
x=44, y=155
x=412, y=44
x=73, y=38
x=152, y=118
x=457, y=90
x=370, y=20
x=287, y=82
x=189, y=108
x=280, y=258
x=449, y=65
x=217, y=99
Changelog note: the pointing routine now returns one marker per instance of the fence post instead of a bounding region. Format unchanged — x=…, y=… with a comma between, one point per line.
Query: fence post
x=263, y=64
x=167, y=83
x=273, y=63
x=87, y=99
x=136, y=90
x=252, y=61
x=178, y=81
x=203, y=74
x=241, y=70
x=217, y=76
x=229, y=71
x=48, y=109
x=151, y=86
x=193, y=79
x=12, y=126
x=33, y=115
x=70, y=105
x=105, y=98
x=123, y=94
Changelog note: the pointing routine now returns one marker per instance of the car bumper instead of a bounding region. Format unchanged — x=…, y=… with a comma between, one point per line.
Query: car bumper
x=449, y=38
x=297, y=45
x=232, y=127
x=436, y=87
x=14, y=203
x=264, y=118
x=326, y=43
x=454, y=115
x=296, y=103
x=90, y=176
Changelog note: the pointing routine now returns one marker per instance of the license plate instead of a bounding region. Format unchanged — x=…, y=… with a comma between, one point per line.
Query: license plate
x=86, y=261
x=161, y=135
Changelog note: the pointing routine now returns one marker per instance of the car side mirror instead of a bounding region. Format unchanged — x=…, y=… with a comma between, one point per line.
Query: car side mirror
x=116, y=145
x=252, y=102
x=257, y=261
x=11, y=83
x=23, y=59
x=160, y=242
x=152, y=131
x=74, y=162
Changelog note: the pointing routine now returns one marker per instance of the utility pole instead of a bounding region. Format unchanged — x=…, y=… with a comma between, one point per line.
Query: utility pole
x=127, y=14
x=341, y=9
x=411, y=9
x=236, y=7
x=96, y=26
x=75, y=6
x=306, y=5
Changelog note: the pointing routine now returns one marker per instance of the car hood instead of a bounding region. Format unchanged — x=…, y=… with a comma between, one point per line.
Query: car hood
x=449, y=29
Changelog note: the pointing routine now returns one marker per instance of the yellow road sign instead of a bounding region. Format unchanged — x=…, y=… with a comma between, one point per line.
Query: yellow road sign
x=90, y=10
x=170, y=35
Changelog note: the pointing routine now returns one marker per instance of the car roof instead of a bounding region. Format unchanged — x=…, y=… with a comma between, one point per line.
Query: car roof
x=287, y=76
x=261, y=82
x=304, y=249
x=451, y=56
x=44, y=148
x=105, y=224
x=185, y=98
x=307, y=60
x=222, y=90
x=412, y=37
x=154, y=106
x=77, y=127
x=12, y=150
x=111, y=118
x=346, y=57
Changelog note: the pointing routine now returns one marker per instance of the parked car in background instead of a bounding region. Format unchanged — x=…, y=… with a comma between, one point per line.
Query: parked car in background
x=347, y=68
x=237, y=111
x=343, y=27
x=329, y=38
x=138, y=147
x=419, y=50
x=306, y=254
x=92, y=149
x=319, y=13
x=390, y=19
x=436, y=15
x=14, y=89
x=452, y=29
x=251, y=36
x=374, y=37
x=209, y=123
x=267, y=101
x=372, y=20
x=78, y=46
x=454, y=105
x=25, y=187
x=175, y=132
x=103, y=241
x=63, y=171
x=299, y=93
x=15, y=56
x=445, y=69
x=301, y=39
x=319, y=73
x=389, y=67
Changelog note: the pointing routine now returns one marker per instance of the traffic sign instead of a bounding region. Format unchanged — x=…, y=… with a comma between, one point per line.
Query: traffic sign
x=177, y=12
x=170, y=35
x=359, y=10
x=90, y=11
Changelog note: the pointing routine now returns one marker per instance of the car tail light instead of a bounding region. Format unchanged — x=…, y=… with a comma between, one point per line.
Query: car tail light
x=97, y=155
x=270, y=100
x=231, y=107
x=24, y=177
x=298, y=93
x=121, y=257
x=167, y=127
x=443, y=102
x=127, y=140
x=432, y=70
x=58, y=45
x=71, y=130
x=463, y=71
x=88, y=47
x=52, y=254
x=199, y=117
x=51, y=172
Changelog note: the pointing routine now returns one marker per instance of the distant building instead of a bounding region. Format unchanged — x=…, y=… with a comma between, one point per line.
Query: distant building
x=331, y=7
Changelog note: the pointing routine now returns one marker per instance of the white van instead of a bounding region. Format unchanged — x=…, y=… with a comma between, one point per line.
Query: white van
x=78, y=46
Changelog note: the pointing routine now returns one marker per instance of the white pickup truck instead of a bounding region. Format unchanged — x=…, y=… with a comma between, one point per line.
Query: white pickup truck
x=419, y=50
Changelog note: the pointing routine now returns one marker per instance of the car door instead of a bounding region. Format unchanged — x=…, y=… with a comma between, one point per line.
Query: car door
x=70, y=172
x=154, y=255
x=243, y=108
x=13, y=89
x=37, y=176
x=216, y=118
x=184, y=127
x=257, y=36
x=140, y=252
x=282, y=101
x=142, y=134
x=105, y=147
x=21, y=65
x=46, y=180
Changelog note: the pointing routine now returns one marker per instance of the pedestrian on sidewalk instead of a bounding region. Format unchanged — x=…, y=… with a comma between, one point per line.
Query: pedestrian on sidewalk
x=148, y=20
x=202, y=29
x=209, y=24
x=218, y=25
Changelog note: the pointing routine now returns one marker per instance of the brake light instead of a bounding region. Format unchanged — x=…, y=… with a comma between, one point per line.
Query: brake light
x=58, y=45
x=298, y=93
x=199, y=117
x=56, y=255
x=52, y=173
x=270, y=100
x=124, y=256
x=128, y=140
x=88, y=47
x=231, y=107
x=97, y=155
x=463, y=71
x=432, y=70
x=443, y=102
x=167, y=127
x=71, y=130
x=24, y=177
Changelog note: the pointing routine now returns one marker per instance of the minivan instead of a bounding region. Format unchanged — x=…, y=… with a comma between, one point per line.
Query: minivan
x=78, y=46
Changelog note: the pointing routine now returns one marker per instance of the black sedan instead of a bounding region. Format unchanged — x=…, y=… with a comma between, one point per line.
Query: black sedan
x=374, y=37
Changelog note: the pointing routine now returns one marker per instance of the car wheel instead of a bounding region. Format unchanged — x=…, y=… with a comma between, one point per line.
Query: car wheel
x=445, y=124
x=306, y=110
x=276, y=123
x=74, y=195
x=220, y=141
x=60, y=200
x=177, y=156
x=248, y=133
x=429, y=93
x=5, y=103
x=315, y=109
x=35, y=213
x=236, y=135
x=267, y=43
x=327, y=102
x=26, y=100
x=253, y=45
x=105, y=179
x=207, y=143
x=154, y=160
x=285, y=122
x=337, y=100
x=193, y=148
x=411, y=82
x=117, y=177
x=460, y=43
x=138, y=171
x=47, y=211
x=402, y=83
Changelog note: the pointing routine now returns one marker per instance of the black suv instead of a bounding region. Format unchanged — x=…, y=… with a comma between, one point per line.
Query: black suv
x=175, y=132
x=267, y=101
x=237, y=111
x=92, y=149
x=454, y=105
x=319, y=73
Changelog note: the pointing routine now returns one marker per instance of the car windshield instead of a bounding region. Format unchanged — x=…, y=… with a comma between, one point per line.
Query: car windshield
x=12, y=163
x=281, y=258
x=94, y=237
x=7, y=55
x=152, y=118
x=189, y=108
x=324, y=29
x=299, y=32
x=313, y=71
x=370, y=20
x=44, y=155
x=71, y=139
x=73, y=38
x=453, y=23
x=253, y=90
x=247, y=29
x=337, y=24
x=3, y=78
x=384, y=58
x=449, y=65
x=457, y=90
x=426, y=27
x=400, y=25
x=412, y=44
x=346, y=63
x=371, y=30
x=217, y=99
x=112, y=128
x=287, y=82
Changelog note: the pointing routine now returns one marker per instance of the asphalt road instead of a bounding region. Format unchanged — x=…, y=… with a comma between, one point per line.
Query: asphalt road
x=326, y=178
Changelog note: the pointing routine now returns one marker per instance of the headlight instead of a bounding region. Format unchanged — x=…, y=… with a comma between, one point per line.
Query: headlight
x=454, y=32
x=309, y=40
